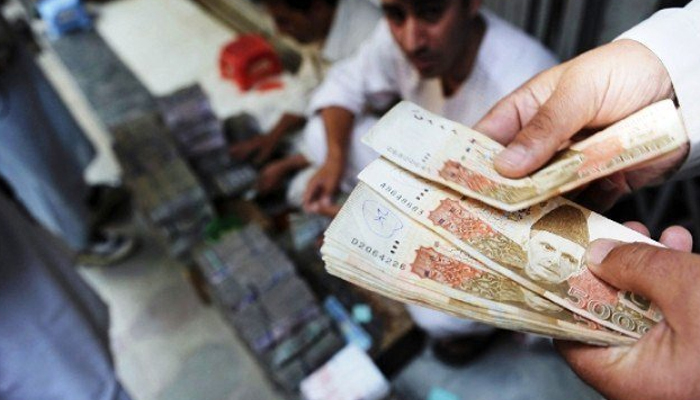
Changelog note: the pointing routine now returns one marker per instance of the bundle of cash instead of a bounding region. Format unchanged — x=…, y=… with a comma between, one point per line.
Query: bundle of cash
x=202, y=140
x=417, y=241
x=167, y=193
x=188, y=115
x=273, y=310
x=143, y=145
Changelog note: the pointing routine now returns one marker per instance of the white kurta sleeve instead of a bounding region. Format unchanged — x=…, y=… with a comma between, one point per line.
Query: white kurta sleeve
x=353, y=82
x=674, y=36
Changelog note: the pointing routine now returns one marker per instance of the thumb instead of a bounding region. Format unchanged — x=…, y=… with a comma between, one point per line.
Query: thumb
x=566, y=112
x=667, y=277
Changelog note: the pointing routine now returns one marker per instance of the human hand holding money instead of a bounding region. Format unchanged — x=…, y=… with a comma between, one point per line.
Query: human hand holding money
x=463, y=159
x=591, y=91
x=667, y=355
x=419, y=242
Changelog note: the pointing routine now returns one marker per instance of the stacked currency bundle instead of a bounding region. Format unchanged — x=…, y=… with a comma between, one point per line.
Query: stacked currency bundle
x=143, y=145
x=415, y=229
x=199, y=136
x=271, y=308
x=188, y=115
x=166, y=191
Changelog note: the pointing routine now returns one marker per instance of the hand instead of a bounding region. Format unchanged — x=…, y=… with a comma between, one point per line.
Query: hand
x=593, y=90
x=271, y=177
x=318, y=197
x=664, y=363
x=262, y=146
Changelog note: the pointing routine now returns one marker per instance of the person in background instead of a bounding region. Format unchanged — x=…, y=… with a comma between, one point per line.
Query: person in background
x=339, y=27
x=54, y=328
x=655, y=60
x=447, y=56
x=44, y=154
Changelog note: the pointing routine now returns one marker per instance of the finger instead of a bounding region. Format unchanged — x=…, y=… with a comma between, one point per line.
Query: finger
x=312, y=192
x=510, y=114
x=677, y=238
x=666, y=277
x=638, y=227
x=264, y=153
x=503, y=121
x=329, y=210
x=565, y=113
x=262, y=157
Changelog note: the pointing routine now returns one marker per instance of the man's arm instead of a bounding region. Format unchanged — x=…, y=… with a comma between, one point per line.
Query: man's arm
x=324, y=184
x=347, y=90
x=263, y=146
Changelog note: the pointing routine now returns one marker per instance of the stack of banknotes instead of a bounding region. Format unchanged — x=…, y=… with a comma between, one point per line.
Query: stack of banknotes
x=166, y=191
x=432, y=223
x=273, y=310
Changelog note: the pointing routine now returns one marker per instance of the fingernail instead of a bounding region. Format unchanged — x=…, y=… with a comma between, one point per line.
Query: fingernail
x=514, y=156
x=598, y=250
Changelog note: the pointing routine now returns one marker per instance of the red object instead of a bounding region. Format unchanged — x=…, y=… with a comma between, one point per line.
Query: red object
x=269, y=85
x=248, y=60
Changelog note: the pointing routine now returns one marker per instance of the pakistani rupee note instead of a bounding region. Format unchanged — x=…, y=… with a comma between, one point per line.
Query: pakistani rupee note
x=408, y=293
x=381, y=242
x=462, y=159
x=540, y=247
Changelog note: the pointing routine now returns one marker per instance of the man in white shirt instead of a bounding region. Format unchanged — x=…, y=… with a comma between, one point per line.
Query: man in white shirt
x=339, y=27
x=658, y=59
x=444, y=55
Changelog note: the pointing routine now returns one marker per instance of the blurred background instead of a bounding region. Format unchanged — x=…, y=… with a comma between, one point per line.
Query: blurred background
x=226, y=297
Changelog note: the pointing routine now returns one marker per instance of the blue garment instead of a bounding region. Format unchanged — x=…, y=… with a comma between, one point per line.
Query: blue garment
x=43, y=152
x=54, y=329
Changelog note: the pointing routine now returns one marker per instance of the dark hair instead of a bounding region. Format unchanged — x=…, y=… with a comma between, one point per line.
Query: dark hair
x=301, y=5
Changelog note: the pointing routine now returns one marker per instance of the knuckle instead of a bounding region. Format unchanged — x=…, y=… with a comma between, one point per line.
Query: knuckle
x=637, y=258
x=540, y=127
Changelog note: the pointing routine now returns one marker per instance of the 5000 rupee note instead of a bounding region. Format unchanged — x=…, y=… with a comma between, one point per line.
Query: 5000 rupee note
x=540, y=247
x=371, y=233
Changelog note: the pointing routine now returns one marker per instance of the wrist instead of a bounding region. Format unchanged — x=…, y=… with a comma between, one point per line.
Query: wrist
x=333, y=162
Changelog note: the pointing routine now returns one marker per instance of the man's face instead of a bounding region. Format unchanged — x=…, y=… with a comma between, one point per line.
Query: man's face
x=292, y=22
x=552, y=258
x=431, y=33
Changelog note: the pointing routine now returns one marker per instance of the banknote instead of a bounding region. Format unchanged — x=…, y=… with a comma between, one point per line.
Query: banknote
x=462, y=159
x=375, y=237
x=409, y=293
x=540, y=247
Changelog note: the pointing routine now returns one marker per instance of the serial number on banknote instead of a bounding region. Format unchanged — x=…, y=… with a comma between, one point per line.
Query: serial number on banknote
x=409, y=203
x=379, y=255
x=400, y=155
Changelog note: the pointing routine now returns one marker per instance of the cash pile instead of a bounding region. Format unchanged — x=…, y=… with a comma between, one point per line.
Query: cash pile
x=271, y=308
x=188, y=115
x=166, y=192
x=200, y=137
x=415, y=229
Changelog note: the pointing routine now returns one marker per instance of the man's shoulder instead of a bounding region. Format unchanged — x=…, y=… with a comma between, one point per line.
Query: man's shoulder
x=354, y=23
